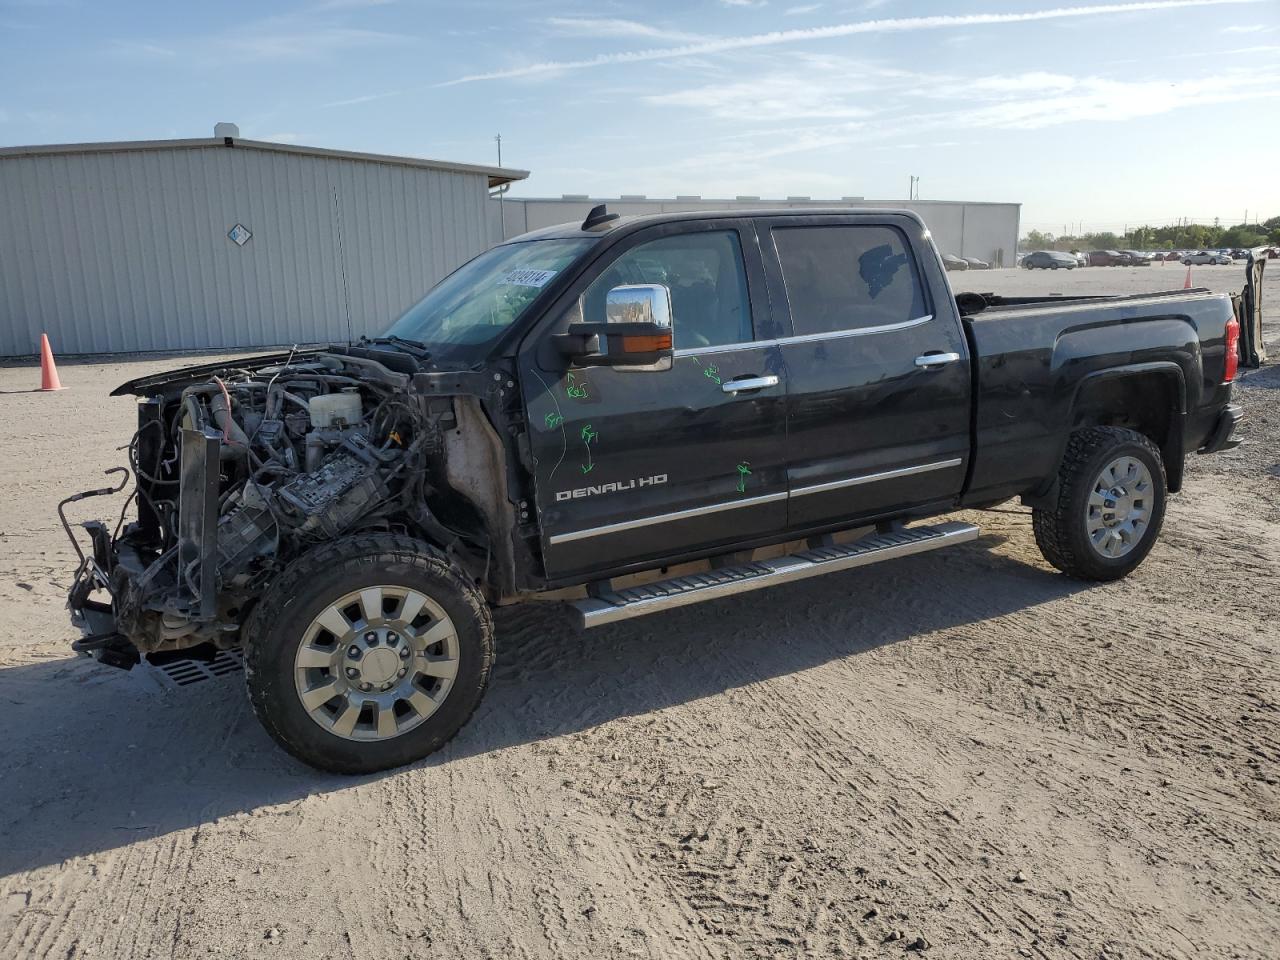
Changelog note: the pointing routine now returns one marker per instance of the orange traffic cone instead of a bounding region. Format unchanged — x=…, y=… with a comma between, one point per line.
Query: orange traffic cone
x=1187, y=284
x=48, y=372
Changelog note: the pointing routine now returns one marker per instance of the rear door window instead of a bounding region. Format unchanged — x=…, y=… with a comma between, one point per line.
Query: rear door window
x=848, y=278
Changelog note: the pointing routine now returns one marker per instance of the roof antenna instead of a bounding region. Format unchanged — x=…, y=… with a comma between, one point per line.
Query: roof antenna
x=598, y=217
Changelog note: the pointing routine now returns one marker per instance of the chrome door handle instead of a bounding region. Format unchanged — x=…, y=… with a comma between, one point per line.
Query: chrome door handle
x=936, y=359
x=751, y=383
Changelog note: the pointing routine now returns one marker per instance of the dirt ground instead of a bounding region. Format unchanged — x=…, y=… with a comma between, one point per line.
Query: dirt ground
x=963, y=753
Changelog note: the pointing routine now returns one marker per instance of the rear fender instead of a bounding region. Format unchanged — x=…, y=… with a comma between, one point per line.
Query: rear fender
x=1148, y=397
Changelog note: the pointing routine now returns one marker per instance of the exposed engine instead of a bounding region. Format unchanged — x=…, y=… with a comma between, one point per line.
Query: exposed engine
x=240, y=472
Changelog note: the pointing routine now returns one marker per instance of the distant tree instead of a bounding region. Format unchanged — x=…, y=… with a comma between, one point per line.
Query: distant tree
x=1102, y=241
x=1035, y=240
x=1243, y=236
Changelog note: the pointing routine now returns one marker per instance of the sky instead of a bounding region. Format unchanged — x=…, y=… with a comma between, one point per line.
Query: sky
x=1098, y=115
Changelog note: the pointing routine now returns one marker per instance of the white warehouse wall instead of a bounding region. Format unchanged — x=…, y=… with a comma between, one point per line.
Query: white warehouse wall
x=127, y=250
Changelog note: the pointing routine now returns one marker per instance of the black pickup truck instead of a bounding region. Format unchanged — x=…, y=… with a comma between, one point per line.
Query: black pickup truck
x=623, y=415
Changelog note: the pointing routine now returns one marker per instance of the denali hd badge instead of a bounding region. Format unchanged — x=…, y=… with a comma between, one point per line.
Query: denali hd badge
x=617, y=487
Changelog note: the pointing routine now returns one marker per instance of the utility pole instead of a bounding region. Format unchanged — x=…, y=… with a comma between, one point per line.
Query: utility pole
x=502, y=210
x=913, y=189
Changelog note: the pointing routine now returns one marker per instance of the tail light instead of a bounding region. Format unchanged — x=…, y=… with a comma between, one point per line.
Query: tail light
x=1231, y=343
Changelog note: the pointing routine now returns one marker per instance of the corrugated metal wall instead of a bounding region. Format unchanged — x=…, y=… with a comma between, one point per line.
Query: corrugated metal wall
x=987, y=231
x=123, y=251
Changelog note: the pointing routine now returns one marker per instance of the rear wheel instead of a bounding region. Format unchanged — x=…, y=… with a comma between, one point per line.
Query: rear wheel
x=368, y=653
x=1110, y=505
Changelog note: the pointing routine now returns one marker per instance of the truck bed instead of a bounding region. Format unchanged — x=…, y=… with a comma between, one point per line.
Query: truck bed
x=1033, y=355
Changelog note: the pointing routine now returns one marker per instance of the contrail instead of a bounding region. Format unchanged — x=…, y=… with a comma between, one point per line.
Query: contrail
x=894, y=25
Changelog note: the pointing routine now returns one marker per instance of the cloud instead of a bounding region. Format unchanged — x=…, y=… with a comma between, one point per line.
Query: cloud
x=302, y=43
x=608, y=27
x=844, y=105
x=140, y=50
x=352, y=4
x=777, y=96
x=778, y=37
x=797, y=11
x=1249, y=28
x=279, y=38
x=367, y=98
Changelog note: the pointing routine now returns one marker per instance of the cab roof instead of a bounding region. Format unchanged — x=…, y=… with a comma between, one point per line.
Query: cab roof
x=629, y=224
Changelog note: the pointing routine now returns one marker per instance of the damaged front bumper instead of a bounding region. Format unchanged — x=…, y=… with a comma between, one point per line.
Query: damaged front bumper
x=96, y=618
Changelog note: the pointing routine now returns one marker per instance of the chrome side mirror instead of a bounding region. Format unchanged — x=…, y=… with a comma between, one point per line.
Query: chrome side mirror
x=639, y=303
x=635, y=335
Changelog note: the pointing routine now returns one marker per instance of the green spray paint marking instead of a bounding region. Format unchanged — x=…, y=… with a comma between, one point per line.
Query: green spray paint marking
x=553, y=420
x=589, y=437
x=573, y=389
x=710, y=371
x=743, y=472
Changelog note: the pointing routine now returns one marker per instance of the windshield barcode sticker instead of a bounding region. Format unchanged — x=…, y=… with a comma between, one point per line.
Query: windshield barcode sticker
x=529, y=278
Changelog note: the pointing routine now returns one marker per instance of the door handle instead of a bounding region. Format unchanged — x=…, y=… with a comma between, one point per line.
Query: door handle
x=936, y=359
x=750, y=383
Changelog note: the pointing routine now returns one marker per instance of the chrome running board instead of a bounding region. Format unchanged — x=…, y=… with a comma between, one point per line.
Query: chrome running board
x=726, y=581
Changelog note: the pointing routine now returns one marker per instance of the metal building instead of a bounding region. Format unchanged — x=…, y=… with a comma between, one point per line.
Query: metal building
x=223, y=242
x=988, y=231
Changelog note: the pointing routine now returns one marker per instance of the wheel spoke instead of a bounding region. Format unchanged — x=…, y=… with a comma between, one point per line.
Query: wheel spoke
x=333, y=620
x=371, y=604
x=309, y=656
x=446, y=668
x=386, y=721
x=440, y=630
x=422, y=703
x=317, y=697
x=346, y=720
x=411, y=607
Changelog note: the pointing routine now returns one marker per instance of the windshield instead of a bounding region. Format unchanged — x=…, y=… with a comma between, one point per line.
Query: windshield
x=479, y=301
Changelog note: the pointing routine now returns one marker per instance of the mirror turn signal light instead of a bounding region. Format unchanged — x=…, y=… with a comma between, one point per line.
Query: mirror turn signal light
x=654, y=343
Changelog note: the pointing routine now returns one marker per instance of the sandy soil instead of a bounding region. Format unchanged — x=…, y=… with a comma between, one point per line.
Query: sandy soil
x=963, y=752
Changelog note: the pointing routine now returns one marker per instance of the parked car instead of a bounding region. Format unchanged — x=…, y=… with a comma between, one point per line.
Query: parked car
x=1049, y=260
x=1171, y=256
x=607, y=399
x=950, y=262
x=1206, y=257
x=976, y=264
x=1108, y=258
x=1137, y=258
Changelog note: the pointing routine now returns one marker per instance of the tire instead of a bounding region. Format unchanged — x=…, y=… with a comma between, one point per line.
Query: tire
x=435, y=662
x=1063, y=533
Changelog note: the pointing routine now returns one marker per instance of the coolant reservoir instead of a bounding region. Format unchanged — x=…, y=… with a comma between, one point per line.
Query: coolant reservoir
x=335, y=409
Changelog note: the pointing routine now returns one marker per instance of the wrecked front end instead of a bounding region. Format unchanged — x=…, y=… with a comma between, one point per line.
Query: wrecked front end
x=241, y=468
